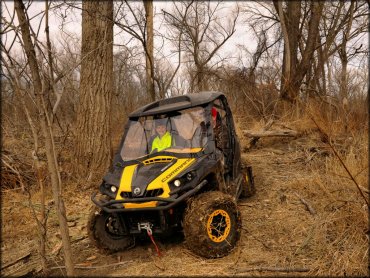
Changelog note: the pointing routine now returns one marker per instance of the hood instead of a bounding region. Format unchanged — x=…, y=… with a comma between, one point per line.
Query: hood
x=151, y=177
x=144, y=175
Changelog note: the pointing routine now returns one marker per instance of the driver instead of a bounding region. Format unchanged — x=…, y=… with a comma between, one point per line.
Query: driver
x=163, y=140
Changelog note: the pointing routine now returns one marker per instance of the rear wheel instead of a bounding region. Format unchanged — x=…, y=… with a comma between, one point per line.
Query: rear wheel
x=248, y=188
x=212, y=224
x=106, y=232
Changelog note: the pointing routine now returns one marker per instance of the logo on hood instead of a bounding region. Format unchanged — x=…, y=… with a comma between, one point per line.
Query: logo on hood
x=137, y=191
x=177, y=169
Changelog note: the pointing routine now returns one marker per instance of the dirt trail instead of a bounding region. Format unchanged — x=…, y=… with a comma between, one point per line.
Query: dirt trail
x=278, y=236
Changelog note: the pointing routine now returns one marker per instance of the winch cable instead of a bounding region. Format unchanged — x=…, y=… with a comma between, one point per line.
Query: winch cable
x=148, y=229
x=152, y=239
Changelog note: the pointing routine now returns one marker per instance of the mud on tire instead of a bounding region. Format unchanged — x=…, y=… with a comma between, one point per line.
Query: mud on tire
x=212, y=224
x=103, y=232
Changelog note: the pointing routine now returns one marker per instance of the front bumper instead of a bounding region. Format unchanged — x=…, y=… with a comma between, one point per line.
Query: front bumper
x=164, y=203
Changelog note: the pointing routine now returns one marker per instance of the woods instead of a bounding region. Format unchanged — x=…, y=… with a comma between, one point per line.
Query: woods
x=73, y=71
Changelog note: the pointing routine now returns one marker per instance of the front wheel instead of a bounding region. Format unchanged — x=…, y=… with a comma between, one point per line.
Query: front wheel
x=212, y=224
x=106, y=232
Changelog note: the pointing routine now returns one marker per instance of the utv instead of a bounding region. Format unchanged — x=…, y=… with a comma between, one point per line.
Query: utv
x=190, y=184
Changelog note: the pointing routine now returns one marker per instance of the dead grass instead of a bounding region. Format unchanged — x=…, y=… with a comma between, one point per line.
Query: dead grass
x=335, y=240
x=345, y=214
x=278, y=229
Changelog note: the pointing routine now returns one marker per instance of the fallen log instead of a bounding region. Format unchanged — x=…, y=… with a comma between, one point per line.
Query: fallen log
x=256, y=135
x=271, y=133
x=272, y=269
x=24, y=266
x=23, y=257
x=94, y=267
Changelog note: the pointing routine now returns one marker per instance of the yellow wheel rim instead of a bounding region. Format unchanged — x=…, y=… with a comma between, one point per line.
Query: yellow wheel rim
x=218, y=225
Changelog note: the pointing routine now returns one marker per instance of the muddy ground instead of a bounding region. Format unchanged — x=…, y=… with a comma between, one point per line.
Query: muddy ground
x=289, y=227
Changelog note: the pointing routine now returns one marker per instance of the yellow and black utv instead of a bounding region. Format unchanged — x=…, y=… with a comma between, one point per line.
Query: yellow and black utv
x=178, y=168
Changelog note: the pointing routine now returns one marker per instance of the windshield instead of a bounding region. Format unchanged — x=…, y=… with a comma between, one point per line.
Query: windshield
x=181, y=131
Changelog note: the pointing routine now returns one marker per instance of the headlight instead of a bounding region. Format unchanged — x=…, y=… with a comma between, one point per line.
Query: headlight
x=113, y=189
x=189, y=176
x=177, y=183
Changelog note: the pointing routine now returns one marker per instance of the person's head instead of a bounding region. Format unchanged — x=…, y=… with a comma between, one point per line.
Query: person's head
x=160, y=127
x=198, y=115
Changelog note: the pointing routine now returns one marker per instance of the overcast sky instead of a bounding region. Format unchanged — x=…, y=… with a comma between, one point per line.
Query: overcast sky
x=72, y=24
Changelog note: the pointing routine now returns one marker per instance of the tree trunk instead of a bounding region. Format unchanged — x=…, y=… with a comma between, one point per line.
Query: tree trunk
x=41, y=224
x=93, y=140
x=287, y=55
x=43, y=219
x=148, y=5
x=293, y=18
x=343, y=76
x=344, y=56
x=313, y=32
x=292, y=91
x=47, y=133
x=200, y=79
x=321, y=68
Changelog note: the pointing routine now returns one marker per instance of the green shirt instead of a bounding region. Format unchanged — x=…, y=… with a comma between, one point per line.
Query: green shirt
x=162, y=143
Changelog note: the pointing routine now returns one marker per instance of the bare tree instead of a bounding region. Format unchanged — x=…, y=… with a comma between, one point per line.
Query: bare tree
x=14, y=77
x=203, y=34
x=40, y=91
x=294, y=69
x=342, y=26
x=148, y=5
x=93, y=143
x=345, y=54
x=164, y=76
x=336, y=17
x=138, y=24
x=130, y=81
